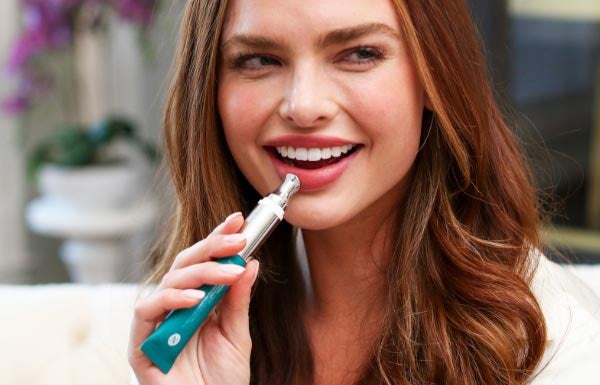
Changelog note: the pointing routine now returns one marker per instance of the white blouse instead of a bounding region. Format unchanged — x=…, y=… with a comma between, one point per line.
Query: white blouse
x=572, y=313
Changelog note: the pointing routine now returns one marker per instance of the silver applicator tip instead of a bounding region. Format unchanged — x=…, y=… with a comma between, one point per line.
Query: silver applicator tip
x=267, y=214
x=289, y=186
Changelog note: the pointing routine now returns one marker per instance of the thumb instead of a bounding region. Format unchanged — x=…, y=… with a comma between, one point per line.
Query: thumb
x=233, y=309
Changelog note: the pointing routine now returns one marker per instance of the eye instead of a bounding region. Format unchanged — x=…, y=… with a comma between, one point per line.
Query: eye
x=253, y=62
x=362, y=56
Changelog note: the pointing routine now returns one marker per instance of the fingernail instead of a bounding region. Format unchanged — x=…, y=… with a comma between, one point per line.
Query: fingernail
x=220, y=227
x=232, y=269
x=234, y=238
x=229, y=218
x=193, y=293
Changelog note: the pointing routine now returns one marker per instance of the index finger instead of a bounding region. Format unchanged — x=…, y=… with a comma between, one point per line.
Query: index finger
x=203, y=250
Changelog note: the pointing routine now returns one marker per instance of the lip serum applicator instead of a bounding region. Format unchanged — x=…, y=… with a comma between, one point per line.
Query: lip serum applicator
x=170, y=337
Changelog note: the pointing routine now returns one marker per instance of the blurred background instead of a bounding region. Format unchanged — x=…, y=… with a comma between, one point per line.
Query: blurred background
x=82, y=90
x=544, y=63
x=83, y=87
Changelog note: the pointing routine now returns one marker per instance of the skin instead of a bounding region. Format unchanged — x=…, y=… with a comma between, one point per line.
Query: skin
x=219, y=353
x=364, y=90
x=339, y=90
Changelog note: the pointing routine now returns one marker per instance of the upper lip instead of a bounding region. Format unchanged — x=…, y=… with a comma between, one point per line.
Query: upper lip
x=307, y=141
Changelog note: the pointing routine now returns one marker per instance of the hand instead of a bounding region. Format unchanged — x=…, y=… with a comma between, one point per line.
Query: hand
x=219, y=352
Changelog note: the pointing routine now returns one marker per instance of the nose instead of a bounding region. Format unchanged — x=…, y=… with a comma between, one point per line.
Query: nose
x=308, y=100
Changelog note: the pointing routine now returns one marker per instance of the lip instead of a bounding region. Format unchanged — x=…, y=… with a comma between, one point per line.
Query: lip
x=312, y=179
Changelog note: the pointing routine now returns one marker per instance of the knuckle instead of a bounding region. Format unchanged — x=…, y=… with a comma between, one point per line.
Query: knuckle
x=181, y=259
x=131, y=357
x=206, y=246
x=139, y=309
x=167, y=296
x=178, y=258
x=201, y=245
x=167, y=279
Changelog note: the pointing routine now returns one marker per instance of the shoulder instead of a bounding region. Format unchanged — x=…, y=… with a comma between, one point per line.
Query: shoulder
x=572, y=314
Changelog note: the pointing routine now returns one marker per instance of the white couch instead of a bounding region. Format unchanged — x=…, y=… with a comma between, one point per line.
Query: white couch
x=72, y=334
x=65, y=334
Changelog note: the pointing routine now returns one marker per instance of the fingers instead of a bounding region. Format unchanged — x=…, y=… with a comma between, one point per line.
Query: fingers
x=175, y=294
x=149, y=311
x=222, y=242
x=213, y=273
x=193, y=268
x=233, y=309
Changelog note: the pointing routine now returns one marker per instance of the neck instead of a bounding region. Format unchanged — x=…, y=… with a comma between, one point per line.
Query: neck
x=349, y=290
x=348, y=268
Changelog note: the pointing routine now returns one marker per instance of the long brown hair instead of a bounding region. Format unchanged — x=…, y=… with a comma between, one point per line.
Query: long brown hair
x=459, y=309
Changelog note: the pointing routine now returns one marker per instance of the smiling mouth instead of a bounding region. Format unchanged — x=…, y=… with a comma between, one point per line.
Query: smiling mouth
x=313, y=158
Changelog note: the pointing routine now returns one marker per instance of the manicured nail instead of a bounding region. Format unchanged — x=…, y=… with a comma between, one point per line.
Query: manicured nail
x=220, y=227
x=232, y=269
x=193, y=293
x=234, y=215
x=234, y=238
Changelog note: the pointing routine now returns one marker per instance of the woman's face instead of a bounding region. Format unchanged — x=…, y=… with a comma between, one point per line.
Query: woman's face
x=324, y=89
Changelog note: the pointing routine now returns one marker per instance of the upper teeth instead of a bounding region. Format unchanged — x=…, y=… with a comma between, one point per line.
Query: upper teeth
x=313, y=154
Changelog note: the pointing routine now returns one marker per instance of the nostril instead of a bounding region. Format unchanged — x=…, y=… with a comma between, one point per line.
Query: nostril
x=308, y=113
x=306, y=121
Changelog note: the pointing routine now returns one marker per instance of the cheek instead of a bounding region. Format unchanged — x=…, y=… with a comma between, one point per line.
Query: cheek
x=243, y=109
x=390, y=106
x=235, y=110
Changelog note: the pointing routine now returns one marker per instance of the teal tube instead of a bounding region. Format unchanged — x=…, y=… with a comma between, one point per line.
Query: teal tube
x=168, y=340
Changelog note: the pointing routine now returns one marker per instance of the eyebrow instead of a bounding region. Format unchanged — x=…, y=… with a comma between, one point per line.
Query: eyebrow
x=342, y=35
x=334, y=37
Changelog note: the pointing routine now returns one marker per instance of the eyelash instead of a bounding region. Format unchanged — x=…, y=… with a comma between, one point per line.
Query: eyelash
x=376, y=54
x=240, y=61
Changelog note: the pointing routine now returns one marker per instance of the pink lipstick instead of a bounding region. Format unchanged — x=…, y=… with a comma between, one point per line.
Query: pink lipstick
x=316, y=160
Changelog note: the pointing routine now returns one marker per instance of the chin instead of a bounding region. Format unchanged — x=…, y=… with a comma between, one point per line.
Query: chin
x=311, y=224
x=313, y=218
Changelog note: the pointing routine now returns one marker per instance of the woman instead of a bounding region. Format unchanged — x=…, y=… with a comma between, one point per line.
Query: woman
x=416, y=213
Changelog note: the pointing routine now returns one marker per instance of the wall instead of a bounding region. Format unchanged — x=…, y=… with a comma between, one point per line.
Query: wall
x=14, y=260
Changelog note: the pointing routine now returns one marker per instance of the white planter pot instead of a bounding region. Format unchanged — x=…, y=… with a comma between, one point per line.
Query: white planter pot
x=93, y=187
x=94, y=262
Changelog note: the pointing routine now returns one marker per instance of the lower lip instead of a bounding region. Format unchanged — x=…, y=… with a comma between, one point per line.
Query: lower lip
x=315, y=179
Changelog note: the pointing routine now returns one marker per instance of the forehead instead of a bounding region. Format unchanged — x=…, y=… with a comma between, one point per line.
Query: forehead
x=305, y=18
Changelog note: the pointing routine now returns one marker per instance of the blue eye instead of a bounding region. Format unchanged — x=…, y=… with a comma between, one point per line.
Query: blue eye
x=363, y=55
x=254, y=62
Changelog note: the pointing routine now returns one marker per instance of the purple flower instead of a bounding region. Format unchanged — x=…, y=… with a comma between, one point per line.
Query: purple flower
x=15, y=104
x=139, y=11
x=50, y=25
x=44, y=29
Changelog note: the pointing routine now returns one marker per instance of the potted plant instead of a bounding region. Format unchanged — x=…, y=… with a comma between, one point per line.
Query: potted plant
x=75, y=161
x=97, y=167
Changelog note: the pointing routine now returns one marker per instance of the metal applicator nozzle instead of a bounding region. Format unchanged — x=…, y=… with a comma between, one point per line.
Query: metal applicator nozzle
x=267, y=214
